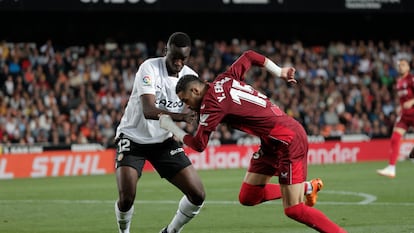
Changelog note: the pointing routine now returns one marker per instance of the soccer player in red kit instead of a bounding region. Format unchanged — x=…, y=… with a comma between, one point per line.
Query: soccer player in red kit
x=405, y=92
x=284, y=144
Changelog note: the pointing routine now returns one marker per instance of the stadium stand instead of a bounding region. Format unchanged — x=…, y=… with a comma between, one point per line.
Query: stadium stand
x=76, y=94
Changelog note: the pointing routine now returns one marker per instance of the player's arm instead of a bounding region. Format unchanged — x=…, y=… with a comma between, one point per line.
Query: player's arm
x=286, y=73
x=250, y=57
x=408, y=104
x=197, y=143
x=152, y=112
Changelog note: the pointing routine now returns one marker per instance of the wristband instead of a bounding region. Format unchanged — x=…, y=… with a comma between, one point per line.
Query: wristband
x=272, y=67
x=167, y=123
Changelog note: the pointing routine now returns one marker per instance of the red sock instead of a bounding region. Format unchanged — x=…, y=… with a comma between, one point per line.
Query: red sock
x=251, y=195
x=272, y=192
x=313, y=218
x=395, y=147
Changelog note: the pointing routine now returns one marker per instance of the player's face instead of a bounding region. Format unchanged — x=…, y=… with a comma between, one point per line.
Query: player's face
x=403, y=67
x=176, y=57
x=191, y=98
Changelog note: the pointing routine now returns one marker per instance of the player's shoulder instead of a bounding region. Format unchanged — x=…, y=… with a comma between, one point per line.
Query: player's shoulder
x=151, y=66
x=152, y=61
x=188, y=70
x=222, y=78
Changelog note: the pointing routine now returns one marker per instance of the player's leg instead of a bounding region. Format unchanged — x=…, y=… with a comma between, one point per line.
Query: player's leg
x=126, y=178
x=291, y=179
x=292, y=167
x=411, y=154
x=295, y=209
x=189, y=182
x=128, y=171
x=390, y=169
x=178, y=170
x=256, y=187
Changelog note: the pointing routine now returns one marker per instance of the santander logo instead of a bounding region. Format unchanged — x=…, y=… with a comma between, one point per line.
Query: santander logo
x=337, y=154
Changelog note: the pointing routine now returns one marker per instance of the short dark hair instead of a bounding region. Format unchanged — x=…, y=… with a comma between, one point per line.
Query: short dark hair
x=183, y=82
x=179, y=39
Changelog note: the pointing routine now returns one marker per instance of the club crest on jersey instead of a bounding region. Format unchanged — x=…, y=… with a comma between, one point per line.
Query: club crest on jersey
x=146, y=80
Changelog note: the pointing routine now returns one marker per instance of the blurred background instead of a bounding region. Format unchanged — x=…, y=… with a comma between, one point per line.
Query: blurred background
x=67, y=67
x=70, y=22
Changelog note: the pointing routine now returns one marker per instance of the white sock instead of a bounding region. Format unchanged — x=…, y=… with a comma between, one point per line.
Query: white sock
x=391, y=168
x=308, y=187
x=123, y=219
x=186, y=211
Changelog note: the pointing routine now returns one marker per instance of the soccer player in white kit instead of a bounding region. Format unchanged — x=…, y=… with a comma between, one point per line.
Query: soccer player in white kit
x=139, y=137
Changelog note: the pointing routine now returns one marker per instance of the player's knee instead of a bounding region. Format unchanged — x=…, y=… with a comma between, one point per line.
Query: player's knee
x=125, y=203
x=197, y=198
x=250, y=195
x=247, y=201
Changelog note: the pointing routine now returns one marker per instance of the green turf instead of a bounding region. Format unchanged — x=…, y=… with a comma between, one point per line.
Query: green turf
x=354, y=196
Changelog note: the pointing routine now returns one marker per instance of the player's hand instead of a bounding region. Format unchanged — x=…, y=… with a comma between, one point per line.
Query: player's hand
x=288, y=74
x=408, y=104
x=190, y=117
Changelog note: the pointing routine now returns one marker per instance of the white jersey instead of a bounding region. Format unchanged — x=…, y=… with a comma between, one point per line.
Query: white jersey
x=151, y=78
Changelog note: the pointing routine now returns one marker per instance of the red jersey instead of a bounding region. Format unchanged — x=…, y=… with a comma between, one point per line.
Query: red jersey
x=405, y=91
x=232, y=101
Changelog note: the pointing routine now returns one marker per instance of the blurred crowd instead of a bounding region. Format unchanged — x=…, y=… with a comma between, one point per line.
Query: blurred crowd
x=77, y=94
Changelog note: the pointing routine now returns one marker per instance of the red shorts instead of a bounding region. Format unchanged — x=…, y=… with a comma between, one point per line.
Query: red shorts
x=287, y=161
x=405, y=121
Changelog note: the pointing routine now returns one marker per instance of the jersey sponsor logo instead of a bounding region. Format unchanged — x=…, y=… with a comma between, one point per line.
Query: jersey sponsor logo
x=203, y=118
x=146, y=80
x=169, y=103
x=176, y=151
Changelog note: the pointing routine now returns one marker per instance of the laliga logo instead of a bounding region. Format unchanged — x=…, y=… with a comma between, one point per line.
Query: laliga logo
x=117, y=1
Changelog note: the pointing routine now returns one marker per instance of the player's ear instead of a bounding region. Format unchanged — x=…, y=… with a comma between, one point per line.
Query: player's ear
x=195, y=90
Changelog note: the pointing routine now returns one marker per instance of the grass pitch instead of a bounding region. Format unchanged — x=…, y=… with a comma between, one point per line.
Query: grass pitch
x=354, y=196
